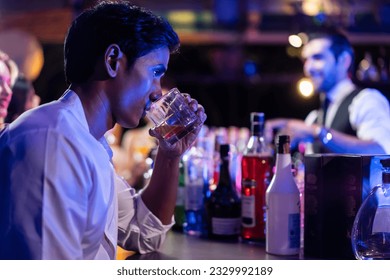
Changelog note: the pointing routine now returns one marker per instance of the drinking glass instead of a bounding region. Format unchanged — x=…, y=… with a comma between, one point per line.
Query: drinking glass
x=371, y=229
x=172, y=116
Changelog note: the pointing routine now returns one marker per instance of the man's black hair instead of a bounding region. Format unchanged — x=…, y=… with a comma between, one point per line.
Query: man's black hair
x=137, y=31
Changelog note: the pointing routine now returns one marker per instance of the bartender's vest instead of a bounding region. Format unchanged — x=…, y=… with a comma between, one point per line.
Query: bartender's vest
x=340, y=121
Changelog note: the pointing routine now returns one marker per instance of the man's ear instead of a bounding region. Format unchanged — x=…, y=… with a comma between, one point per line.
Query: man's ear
x=345, y=58
x=111, y=59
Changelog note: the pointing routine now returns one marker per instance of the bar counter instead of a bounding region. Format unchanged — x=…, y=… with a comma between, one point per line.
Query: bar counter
x=179, y=246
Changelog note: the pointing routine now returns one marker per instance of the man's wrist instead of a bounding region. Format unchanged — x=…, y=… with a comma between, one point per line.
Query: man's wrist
x=323, y=134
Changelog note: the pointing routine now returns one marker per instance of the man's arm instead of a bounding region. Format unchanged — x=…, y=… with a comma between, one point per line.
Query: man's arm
x=160, y=194
x=370, y=116
x=333, y=140
x=343, y=143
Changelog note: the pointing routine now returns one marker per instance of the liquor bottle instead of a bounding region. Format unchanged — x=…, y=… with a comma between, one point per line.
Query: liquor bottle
x=256, y=173
x=179, y=213
x=235, y=160
x=243, y=136
x=219, y=139
x=282, y=205
x=197, y=175
x=224, y=206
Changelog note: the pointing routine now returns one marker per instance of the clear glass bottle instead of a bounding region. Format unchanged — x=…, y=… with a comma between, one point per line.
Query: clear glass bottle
x=224, y=206
x=283, y=205
x=219, y=139
x=197, y=176
x=371, y=229
x=256, y=170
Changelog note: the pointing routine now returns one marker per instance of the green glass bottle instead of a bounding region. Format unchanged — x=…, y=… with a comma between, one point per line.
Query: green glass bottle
x=179, y=208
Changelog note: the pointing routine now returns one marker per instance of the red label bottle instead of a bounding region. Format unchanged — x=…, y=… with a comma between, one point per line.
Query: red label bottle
x=256, y=166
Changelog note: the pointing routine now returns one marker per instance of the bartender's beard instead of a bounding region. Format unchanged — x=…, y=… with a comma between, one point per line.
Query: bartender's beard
x=328, y=83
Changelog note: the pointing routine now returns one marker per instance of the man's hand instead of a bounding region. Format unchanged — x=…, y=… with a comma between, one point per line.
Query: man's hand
x=297, y=129
x=180, y=147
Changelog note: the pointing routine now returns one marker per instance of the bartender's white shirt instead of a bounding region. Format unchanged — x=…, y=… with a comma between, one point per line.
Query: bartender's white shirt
x=369, y=113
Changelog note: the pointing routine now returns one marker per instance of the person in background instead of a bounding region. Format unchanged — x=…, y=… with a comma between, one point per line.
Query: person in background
x=8, y=74
x=23, y=98
x=351, y=119
x=60, y=197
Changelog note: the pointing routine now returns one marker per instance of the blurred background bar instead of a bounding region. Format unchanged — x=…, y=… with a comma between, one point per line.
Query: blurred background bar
x=237, y=56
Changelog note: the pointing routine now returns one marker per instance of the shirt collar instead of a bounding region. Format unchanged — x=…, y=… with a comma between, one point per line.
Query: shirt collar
x=72, y=99
x=340, y=90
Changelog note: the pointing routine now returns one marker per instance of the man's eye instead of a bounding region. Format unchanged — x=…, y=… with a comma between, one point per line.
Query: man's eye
x=157, y=73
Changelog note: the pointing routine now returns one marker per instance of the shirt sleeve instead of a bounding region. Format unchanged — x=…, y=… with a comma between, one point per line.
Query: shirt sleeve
x=370, y=116
x=138, y=228
x=311, y=117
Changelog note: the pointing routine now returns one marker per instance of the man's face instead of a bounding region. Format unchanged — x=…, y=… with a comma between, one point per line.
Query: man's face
x=5, y=89
x=139, y=86
x=320, y=64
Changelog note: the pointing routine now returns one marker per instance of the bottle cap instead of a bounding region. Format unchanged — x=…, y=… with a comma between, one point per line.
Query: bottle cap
x=283, y=139
x=257, y=117
x=283, y=144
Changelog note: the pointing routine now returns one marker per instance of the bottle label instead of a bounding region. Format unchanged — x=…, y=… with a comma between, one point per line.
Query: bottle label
x=226, y=226
x=294, y=234
x=248, y=210
x=283, y=223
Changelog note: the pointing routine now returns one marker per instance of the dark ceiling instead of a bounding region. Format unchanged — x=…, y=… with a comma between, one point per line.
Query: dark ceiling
x=277, y=15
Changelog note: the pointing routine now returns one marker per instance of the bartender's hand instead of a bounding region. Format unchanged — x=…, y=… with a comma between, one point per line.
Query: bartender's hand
x=297, y=129
x=180, y=147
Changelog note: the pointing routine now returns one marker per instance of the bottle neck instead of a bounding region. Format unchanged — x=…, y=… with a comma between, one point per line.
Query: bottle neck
x=257, y=129
x=283, y=159
x=256, y=143
x=283, y=162
x=224, y=175
x=283, y=179
x=283, y=148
